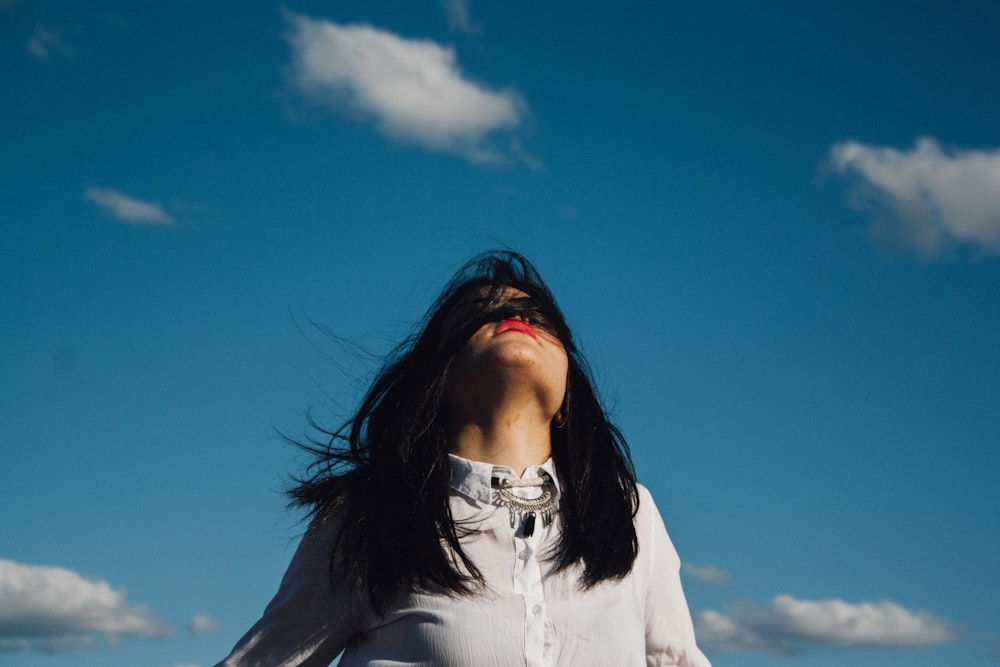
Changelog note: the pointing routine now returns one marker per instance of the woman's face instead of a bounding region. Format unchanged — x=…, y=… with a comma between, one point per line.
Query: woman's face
x=512, y=356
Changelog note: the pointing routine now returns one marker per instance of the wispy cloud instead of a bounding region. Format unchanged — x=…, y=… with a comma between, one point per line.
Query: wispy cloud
x=128, y=209
x=926, y=198
x=708, y=573
x=994, y=647
x=54, y=609
x=413, y=89
x=787, y=625
x=459, y=17
x=48, y=42
x=202, y=624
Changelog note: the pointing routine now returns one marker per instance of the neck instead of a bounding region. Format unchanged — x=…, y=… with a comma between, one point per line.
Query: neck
x=511, y=439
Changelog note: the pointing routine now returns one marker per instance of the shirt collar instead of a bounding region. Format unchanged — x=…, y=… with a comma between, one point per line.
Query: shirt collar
x=472, y=478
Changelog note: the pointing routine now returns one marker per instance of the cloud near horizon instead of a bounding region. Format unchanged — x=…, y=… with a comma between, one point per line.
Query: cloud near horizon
x=53, y=609
x=202, y=624
x=926, y=198
x=788, y=626
x=708, y=573
x=413, y=89
x=128, y=209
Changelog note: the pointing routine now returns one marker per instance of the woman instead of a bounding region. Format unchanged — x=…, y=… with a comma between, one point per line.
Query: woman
x=479, y=509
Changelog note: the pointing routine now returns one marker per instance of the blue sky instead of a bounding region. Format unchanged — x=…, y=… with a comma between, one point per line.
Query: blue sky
x=775, y=228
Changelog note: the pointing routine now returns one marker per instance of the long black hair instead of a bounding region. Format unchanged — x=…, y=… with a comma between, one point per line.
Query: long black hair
x=384, y=475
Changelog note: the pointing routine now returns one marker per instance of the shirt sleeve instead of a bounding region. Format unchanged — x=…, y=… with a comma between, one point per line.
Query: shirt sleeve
x=308, y=623
x=670, y=639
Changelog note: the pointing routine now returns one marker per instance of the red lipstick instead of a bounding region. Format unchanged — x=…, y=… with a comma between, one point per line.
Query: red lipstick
x=515, y=325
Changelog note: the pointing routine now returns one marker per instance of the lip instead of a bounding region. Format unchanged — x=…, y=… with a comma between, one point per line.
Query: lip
x=519, y=326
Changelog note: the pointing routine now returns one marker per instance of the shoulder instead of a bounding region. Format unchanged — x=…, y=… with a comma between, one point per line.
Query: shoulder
x=650, y=529
x=646, y=509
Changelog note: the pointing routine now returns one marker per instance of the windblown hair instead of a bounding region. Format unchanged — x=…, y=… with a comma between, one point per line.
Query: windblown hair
x=384, y=475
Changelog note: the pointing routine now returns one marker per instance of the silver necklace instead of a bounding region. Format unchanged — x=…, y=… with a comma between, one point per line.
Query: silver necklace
x=524, y=510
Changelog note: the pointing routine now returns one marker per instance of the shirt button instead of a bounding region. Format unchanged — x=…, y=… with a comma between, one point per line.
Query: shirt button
x=536, y=610
x=525, y=554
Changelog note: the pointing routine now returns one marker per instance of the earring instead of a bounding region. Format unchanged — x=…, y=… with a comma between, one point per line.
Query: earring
x=559, y=421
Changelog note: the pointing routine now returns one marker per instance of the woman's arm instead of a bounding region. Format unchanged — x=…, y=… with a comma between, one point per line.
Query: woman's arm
x=669, y=632
x=308, y=623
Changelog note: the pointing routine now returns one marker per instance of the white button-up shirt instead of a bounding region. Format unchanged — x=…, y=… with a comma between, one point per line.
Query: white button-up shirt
x=526, y=615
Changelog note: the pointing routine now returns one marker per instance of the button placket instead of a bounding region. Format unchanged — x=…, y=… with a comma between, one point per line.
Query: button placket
x=528, y=582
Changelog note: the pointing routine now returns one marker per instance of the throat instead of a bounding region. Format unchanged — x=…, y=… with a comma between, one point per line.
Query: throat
x=514, y=448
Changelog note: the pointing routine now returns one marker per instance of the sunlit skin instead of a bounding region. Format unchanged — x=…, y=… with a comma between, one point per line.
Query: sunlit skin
x=504, y=388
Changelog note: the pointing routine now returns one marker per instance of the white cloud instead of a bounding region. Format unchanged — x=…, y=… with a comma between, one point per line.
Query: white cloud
x=787, y=625
x=708, y=573
x=54, y=609
x=47, y=42
x=413, y=89
x=128, y=209
x=459, y=17
x=202, y=624
x=927, y=197
x=716, y=631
